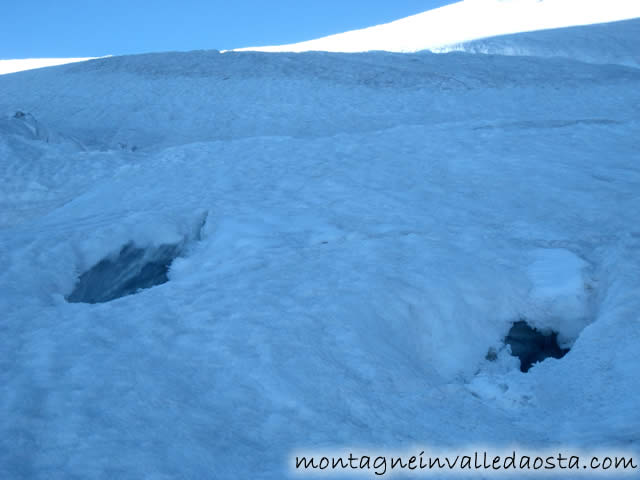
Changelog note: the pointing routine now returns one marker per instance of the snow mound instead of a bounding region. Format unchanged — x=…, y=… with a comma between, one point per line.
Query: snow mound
x=25, y=126
x=560, y=292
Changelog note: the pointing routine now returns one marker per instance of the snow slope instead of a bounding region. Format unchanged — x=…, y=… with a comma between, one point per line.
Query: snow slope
x=20, y=65
x=468, y=20
x=356, y=233
x=613, y=43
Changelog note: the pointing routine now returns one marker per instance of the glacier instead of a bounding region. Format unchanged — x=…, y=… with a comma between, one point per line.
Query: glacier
x=356, y=232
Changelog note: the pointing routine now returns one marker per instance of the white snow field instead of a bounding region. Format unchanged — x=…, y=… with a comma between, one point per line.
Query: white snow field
x=465, y=21
x=22, y=64
x=353, y=234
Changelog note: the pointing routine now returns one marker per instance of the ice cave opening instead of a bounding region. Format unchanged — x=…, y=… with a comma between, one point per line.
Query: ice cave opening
x=531, y=345
x=131, y=270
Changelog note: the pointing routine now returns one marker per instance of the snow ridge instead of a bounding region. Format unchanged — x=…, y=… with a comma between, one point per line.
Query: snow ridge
x=466, y=21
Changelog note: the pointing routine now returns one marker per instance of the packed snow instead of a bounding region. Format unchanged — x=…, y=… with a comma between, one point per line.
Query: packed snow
x=358, y=234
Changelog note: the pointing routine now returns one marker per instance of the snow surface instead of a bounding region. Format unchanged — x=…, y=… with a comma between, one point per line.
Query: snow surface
x=468, y=20
x=20, y=65
x=366, y=228
x=613, y=43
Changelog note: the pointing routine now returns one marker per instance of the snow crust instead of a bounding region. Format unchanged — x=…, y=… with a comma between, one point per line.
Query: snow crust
x=369, y=227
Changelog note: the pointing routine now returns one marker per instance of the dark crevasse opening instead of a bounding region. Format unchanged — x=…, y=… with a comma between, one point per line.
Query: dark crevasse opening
x=131, y=270
x=532, y=346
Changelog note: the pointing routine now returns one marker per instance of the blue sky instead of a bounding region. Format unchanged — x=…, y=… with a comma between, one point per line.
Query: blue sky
x=80, y=28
